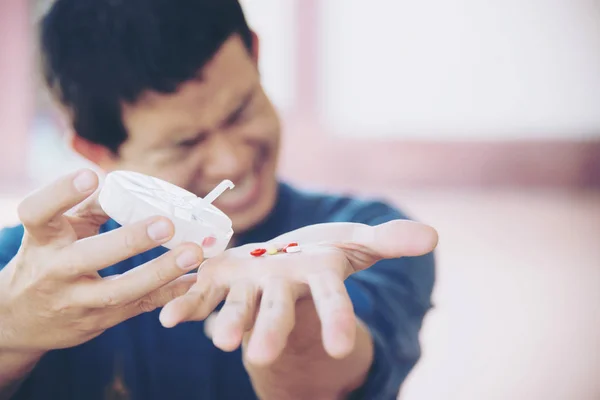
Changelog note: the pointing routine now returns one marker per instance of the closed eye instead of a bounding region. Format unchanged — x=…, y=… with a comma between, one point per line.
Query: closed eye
x=193, y=141
x=239, y=112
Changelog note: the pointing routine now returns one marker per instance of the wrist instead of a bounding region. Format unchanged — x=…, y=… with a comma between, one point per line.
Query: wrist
x=15, y=364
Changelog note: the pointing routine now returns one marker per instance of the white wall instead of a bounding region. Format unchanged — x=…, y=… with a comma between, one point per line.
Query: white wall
x=461, y=69
x=274, y=22
x=440, y=69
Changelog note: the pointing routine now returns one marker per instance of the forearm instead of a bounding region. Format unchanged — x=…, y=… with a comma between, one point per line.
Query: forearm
x=14, y=369
x=305, y=370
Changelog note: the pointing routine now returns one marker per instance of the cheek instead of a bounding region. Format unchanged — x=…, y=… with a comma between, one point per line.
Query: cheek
x=263, y=137
x=265, y=125
x=272, y=128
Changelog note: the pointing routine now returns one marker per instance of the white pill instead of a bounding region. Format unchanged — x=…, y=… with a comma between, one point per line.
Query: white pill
x=293, y=249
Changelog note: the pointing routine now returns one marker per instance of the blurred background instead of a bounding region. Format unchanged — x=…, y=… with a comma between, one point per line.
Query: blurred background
x=480, y=118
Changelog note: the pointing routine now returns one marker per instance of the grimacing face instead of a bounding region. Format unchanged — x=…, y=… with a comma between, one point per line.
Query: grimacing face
x=221, y=126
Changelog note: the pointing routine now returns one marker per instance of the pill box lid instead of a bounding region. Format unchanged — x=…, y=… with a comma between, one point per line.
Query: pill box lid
x=167, y=198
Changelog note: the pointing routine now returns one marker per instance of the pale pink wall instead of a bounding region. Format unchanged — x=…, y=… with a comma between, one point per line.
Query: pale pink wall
x=369, y=160
x=15, y=89
x=341, y=160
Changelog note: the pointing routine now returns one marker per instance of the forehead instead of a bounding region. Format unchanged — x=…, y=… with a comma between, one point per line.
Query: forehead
x=203, y=101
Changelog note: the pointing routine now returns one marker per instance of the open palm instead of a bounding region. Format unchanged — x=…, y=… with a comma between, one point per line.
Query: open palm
x=260, y=293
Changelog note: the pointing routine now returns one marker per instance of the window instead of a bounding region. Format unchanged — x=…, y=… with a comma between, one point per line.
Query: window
x=463, y=69
x=275, y=24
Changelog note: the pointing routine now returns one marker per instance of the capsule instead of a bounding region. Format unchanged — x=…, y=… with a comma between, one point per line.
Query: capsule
x=293, y=249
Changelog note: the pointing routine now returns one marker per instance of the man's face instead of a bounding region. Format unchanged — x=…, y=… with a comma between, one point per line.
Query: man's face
x=221, y=126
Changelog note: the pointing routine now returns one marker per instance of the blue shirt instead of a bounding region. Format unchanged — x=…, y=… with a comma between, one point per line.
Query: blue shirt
x=148, y=361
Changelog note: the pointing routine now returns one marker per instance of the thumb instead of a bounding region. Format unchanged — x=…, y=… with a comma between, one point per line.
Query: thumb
x=363, y=244
x=393, y=239
x=397, y=238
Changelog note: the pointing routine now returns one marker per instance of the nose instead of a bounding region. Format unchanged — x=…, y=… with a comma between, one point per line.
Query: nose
x=225, y=159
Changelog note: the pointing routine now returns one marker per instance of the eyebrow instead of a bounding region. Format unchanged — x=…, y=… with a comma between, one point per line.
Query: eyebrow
x=240, y=108
x=244, y=103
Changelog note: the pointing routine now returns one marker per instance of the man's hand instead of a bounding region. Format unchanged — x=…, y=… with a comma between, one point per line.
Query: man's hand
x=51, y=295
x=261, y=293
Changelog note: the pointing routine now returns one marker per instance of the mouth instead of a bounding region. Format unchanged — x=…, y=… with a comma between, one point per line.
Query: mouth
x=245, y=193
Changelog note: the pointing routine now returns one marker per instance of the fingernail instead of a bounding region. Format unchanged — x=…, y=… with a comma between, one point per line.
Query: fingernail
x=159, y=230
x=187, y=259
x=85, y=181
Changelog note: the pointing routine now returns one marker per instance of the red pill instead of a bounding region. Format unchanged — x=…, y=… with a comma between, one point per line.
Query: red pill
x=258, y=252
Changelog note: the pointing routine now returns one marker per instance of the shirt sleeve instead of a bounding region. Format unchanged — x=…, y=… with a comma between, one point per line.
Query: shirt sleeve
x=391, y=298
x=10, y=241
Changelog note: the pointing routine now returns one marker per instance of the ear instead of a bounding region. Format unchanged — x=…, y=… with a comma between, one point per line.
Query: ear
x=255, y=47
x=96, y=153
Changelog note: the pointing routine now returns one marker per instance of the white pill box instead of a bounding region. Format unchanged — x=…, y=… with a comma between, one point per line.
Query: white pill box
x=129, y=197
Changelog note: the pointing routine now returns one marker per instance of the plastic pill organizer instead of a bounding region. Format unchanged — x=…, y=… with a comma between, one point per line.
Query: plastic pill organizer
x=128, y=197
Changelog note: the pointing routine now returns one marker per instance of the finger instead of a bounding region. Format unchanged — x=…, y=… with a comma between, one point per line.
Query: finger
x=236, y=317
x=195, y=305
x=42, y=211
x=274, y=323
x=101, y=251
x=209, y=324
x=335, y=310
x=87, y=218
x=156, y=299
x=144, y=279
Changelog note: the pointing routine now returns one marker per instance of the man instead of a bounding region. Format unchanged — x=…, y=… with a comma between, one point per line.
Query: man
x=170, y=88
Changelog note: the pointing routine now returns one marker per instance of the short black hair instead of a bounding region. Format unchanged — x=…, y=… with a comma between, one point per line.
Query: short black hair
x=98, y=54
